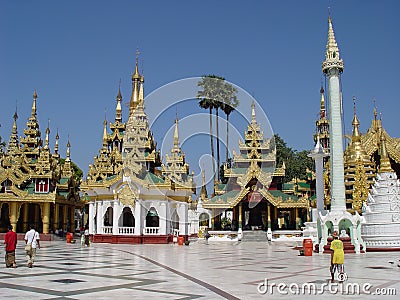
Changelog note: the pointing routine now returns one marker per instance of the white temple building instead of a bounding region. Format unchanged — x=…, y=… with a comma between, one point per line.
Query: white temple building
x=131, y=196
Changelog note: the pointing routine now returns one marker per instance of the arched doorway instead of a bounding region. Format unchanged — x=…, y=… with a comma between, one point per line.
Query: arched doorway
x=174, y=221
x=108, y=221
x=127, y=219
x=204, y=219
x=152, y=219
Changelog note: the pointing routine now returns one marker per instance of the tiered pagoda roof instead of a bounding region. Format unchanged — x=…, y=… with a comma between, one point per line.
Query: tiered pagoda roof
x=253, y=170
x=30, y=172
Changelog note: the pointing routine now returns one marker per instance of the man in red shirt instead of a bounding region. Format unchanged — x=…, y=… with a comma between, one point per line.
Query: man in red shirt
x=10, y=241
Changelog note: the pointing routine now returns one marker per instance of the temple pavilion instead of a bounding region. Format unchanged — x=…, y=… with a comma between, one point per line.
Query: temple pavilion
x=254, y=197
x=133, y=197
x=37, y=186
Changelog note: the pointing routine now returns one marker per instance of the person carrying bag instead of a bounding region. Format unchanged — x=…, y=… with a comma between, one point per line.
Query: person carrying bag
x=32, y=242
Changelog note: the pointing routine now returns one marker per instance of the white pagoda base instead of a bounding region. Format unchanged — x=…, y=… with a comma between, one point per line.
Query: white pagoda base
x=338, y=221
x=382, y=214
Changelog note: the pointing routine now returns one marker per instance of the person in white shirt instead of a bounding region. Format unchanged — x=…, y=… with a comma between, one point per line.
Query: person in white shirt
x=32, y=238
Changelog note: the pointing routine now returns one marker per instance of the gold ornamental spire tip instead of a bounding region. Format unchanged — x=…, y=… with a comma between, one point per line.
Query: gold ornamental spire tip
x=176, y=134
x=385, y=166
x=253, y=112
x=136, y=75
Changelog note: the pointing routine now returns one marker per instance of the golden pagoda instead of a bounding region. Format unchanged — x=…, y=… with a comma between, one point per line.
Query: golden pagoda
x=131, y=196
x=359, y=170
x=37, y=186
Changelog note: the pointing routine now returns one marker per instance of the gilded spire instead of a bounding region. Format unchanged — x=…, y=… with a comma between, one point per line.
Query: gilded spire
x=385, y=166
x=13, y=142
x=56, y=145
x=356, y=124
x=34, y=104
x=105, y=133
x=203, y=191
x=135, y=87
x=118, y=109
x=322, y=103
x=332, y=55
x=46, y=141
x=68, y=151
x=253, y=113
x=141, y=92
x=176, y=134
x=14, y=128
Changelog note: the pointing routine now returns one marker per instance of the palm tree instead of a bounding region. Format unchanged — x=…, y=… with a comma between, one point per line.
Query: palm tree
x=230, y=103
x=207, y=98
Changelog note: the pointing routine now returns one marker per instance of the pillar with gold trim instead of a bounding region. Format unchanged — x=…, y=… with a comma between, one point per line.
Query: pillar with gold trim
x=56, y=216
x=65, y=217
x=14, y=215
x=46, y=217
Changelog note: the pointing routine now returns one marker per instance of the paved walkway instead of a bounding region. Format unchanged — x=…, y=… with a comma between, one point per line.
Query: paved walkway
x=214, y=271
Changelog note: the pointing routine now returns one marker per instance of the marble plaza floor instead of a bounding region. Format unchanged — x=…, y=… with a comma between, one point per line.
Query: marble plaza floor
x=197, y=271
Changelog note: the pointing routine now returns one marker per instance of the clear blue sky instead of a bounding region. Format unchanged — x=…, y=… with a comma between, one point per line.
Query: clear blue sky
x=75, y=52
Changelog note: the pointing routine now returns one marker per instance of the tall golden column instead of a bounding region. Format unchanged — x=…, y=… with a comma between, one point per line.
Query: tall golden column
x=65, y=217
x=46, y=217
x=13, y=215
x=269, y=214
x=56, y=216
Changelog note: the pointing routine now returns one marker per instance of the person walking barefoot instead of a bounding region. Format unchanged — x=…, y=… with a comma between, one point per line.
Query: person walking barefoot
x=10, y=244
x=32, y=238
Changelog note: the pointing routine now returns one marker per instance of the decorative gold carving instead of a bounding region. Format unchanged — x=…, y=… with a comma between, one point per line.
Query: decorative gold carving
x=127, y=196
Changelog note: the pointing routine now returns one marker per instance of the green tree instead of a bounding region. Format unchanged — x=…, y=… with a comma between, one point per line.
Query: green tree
x=209, y=99
x=296, y=162
x=77, y=171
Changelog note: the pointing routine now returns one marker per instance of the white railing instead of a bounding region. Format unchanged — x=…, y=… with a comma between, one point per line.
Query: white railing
x=126, y=230
x=223, y=235
x=107, y=230
x=151, y=230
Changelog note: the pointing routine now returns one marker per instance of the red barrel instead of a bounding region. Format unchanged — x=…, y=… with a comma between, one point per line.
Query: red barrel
x=69, y=237
x=180, y=240
x=308, y=247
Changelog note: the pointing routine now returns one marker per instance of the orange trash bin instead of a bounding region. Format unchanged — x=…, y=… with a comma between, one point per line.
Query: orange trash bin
x=69, y=237
x=180, y=240
x=308, y=247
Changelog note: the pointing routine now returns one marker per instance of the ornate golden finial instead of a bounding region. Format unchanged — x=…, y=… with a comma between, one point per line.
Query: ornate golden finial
x=68, y=158
x=135, y=87
x=203, y=191
x=385, y=165
x=34, y=103
x=118, y=109
x=375, y=112
x=332, y=54
x=56, y=145
x=355, y=123
x=105, y=131
x=253, y=112
x=322, y=102
x=136, y=75
x=176, y=133
x=46, y=141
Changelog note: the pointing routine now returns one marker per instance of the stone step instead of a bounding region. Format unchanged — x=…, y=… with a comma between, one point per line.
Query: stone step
x=254, y=236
